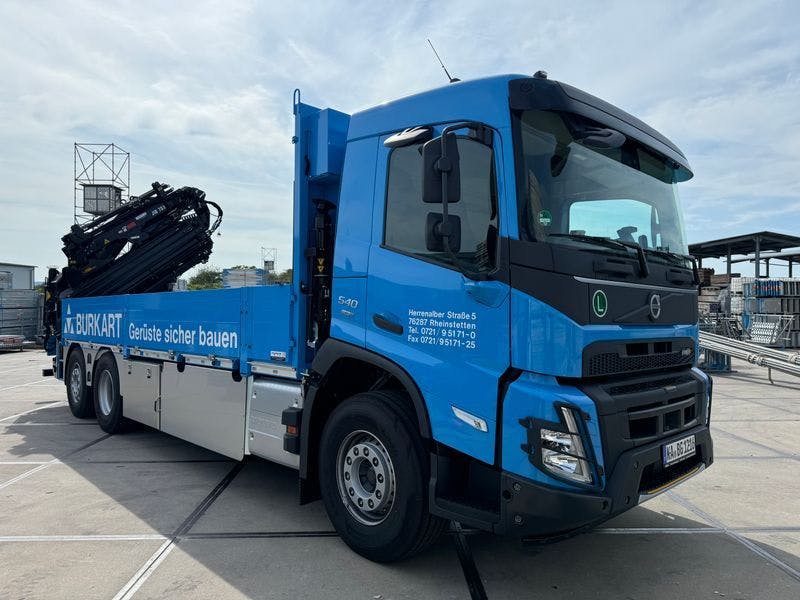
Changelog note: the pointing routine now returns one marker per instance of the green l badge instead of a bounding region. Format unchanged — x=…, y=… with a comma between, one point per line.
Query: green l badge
x=600, y=303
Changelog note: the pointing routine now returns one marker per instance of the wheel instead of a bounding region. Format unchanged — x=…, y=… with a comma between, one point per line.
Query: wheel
x=107, y=401
x=78, y=395
x=374, y=473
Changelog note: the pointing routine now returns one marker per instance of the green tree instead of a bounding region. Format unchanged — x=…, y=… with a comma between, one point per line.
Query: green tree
x=283, y=276
x=206, y=278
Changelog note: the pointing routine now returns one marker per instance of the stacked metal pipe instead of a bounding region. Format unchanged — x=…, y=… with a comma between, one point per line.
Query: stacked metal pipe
x=772, y=358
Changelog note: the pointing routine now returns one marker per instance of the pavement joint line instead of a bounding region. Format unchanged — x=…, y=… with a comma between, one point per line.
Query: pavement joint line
x=42, y=424
x=758, y=444
x=468, y=566
x=149, y=462
x=142, y=537
x=749, y=378
x=13, y=387
x=669, y=530
x=235, y=535
x=20, y=369
x=135, y=582
x=27, y=412
x=148, y=568
x=692, y=530
x=757, y=457
x=50, y=463
x=718, y=420
x=764, y=405
x=749, y=544
x=28, y=473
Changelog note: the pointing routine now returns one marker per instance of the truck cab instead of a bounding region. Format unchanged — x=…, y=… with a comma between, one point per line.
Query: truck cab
x=510, y=253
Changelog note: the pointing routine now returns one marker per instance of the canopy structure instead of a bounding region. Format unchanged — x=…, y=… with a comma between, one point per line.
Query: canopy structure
x=753, y=247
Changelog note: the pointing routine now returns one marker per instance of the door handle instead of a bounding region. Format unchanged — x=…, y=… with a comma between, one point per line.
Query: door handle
x=387, y=322
x=490, y=293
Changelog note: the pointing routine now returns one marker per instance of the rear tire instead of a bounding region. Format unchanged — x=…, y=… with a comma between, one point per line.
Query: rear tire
x=78, y=393
x=107, y=400
x=374, y=474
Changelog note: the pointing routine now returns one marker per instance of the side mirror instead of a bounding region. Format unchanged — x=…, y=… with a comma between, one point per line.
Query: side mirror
x=435, y=232
x=440, y=170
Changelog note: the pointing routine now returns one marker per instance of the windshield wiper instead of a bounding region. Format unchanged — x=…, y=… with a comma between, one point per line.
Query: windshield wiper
x=644, y=270
x=674, y=257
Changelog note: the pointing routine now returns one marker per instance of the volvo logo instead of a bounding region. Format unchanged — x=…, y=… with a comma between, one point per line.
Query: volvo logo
x=655, y=306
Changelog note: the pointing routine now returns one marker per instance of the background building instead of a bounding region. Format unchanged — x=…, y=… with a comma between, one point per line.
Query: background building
x=243, y=277
x=20, y=303
x=16, y=277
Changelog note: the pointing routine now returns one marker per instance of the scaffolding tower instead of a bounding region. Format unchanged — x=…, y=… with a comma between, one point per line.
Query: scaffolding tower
x=269, y=258
x=102, y=174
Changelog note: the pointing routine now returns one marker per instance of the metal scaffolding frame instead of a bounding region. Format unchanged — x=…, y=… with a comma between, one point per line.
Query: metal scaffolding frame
x=98, y=164
x=269, y=260
x=752, y=246
x=789, y=257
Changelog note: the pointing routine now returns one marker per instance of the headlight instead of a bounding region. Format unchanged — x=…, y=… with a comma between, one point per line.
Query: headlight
x=563, y=452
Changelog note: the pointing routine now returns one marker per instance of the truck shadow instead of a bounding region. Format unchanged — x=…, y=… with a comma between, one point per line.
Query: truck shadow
x=256, y=539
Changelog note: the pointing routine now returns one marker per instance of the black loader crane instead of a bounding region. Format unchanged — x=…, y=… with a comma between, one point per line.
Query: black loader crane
x=140, y=247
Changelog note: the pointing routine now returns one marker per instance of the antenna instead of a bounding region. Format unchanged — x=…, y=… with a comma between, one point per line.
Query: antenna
x=452, y=79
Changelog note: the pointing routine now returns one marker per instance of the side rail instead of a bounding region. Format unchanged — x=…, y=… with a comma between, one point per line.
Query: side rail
x=245, y=330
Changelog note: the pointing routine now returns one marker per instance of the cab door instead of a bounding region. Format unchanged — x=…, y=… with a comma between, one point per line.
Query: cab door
x=449, y=330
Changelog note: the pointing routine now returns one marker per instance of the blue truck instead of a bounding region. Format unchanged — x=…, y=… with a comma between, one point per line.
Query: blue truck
x=492, y=320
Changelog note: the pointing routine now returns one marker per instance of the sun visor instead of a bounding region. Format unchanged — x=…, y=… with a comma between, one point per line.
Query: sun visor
x=544, y=94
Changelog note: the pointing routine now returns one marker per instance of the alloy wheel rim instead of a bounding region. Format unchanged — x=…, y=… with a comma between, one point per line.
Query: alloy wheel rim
x=105, y=392
x=75, y=382
x=365, y=477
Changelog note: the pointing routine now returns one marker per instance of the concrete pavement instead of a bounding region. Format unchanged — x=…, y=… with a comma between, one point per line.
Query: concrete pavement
x=144, y=515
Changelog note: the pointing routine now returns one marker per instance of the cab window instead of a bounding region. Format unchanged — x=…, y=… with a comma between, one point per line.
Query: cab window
x=407, y=215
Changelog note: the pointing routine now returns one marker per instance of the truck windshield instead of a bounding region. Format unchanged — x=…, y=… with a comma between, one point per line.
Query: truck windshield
x=582, y=182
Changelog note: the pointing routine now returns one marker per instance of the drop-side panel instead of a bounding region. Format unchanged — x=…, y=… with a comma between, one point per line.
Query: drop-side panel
x=205, y=407
x=139, y=386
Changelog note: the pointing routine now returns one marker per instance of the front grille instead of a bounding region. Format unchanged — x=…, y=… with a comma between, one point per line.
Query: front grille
x=602, y=359
x=650, y=384
x=611, y=363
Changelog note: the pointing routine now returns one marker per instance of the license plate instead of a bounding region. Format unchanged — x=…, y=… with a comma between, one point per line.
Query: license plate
x=677, y=451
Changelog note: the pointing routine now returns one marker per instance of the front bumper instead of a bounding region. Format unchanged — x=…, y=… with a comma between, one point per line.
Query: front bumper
x=531, y=509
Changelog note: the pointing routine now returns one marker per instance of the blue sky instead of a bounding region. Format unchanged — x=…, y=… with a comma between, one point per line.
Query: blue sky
x=200, y=94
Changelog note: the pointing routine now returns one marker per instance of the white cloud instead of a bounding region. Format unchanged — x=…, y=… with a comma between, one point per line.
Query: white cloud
x=200, y=93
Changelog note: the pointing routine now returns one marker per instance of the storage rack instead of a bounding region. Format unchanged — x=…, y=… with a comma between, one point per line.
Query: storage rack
x=768, y=308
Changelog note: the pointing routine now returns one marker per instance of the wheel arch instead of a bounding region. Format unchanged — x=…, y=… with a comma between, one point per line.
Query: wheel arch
x=90, y=357
x=339, y=371
x=69, y=350
x=72, y=347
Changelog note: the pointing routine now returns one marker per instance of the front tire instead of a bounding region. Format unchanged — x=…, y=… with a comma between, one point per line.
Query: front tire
x=107, y=399
x=78, y=393
x=374, y=476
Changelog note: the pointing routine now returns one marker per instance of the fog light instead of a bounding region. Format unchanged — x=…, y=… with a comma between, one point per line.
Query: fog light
x=563, y=452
